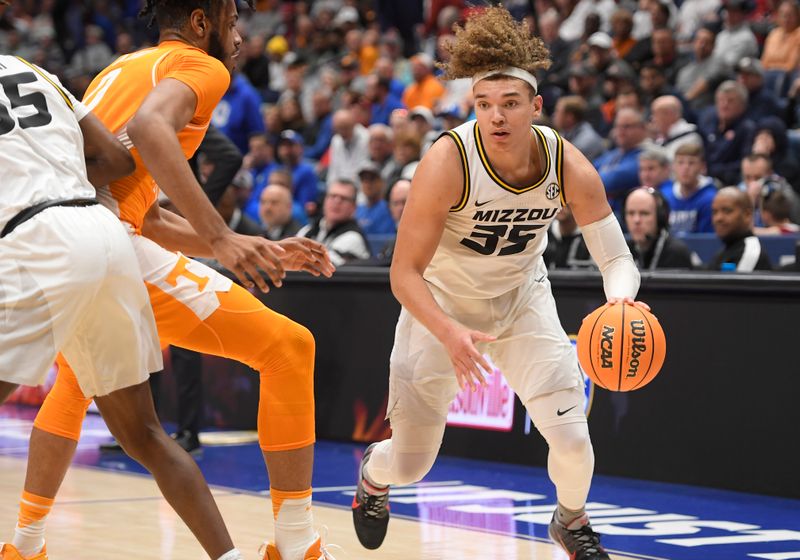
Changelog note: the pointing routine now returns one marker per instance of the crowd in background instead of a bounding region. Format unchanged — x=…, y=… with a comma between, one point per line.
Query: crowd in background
x=335, y=102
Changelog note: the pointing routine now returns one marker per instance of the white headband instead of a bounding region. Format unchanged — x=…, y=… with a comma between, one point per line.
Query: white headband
x=511, y=71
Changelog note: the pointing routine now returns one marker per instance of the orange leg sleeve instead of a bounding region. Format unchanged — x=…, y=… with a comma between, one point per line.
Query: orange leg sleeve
x=282, y=351
x=65, y=406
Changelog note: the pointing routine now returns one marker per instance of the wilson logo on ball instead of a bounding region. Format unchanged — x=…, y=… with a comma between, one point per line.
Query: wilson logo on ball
x=621, y=347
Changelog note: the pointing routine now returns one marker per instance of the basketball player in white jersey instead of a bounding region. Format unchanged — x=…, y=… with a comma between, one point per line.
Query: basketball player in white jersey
x=70, y=282
x=469, y=273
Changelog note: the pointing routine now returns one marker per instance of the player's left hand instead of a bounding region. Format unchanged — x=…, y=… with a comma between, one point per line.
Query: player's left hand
x=306, y=255
x=629, y=301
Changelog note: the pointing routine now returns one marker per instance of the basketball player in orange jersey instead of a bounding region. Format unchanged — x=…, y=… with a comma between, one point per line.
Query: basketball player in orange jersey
x=158, y=101
x=469, y=273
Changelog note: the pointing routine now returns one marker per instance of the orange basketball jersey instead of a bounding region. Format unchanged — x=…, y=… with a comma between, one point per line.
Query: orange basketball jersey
x=117, y=92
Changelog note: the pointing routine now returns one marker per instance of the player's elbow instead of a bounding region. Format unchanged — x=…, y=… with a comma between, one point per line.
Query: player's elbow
x=141, y=123
x=122, y=161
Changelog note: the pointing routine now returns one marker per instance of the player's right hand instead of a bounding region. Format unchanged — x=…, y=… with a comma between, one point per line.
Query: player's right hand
x=468, y=362
x=244, y=255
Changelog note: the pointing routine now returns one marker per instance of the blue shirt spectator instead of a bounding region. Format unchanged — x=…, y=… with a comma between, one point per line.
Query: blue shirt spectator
x=619, y=167
x=727, y=132
x=372, y=212
x=690, y=213
x=238, y=114
x=305, y=184
x=383, y=102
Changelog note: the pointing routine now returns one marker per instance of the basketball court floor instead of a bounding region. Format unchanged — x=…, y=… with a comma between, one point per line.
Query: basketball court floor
x=109, y=509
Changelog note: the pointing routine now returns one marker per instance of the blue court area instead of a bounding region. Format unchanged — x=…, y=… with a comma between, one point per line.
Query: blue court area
x=637, y=518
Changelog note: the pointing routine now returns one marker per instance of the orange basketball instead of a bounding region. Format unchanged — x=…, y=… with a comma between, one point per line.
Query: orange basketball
x=621, y=347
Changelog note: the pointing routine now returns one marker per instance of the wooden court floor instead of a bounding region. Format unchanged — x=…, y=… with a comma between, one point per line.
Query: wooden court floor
x=112, y=516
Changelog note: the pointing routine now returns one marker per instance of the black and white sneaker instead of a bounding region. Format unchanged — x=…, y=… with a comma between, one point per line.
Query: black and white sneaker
x=370, y=508
x=578, y=539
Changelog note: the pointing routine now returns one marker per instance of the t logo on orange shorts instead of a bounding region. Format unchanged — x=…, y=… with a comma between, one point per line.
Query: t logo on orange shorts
x=181, y=270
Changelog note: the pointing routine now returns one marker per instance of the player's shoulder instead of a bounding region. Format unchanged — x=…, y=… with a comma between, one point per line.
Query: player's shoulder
x=184, y=55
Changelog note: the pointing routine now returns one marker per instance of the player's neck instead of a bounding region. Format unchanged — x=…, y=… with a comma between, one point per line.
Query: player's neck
x=521, y=163
x=176, y=35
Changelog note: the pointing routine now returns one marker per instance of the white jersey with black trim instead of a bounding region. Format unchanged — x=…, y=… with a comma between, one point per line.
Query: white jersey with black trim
x=494, y=237
x=41, y=144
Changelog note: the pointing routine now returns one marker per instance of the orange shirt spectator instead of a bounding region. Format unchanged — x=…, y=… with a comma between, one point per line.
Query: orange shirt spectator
x=426, y=89
x=782, y=47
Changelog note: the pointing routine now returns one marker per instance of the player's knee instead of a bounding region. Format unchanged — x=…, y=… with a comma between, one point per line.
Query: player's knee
x=570, y=441
x=140, y=441
x=411, y=468
x=295, y=351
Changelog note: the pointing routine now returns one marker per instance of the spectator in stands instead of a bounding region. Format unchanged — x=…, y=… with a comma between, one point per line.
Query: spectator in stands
x=782, y=46
x=583, y=82
x=736, y=40
x=772, y=139
x=275, y=211
x=698, y=79
x=654, y=168
x=337, y=228
x=670, y=129
x=761, y=101
x=423, y=125
x=621, y=32
x=260, y=161
x=349, y=147
x=426, y=89
x=569, y=119
x=775, y=214
x=553, y=81
x=601, y=52
x=759, y=181
x=256, y=64
x=380, y=148
x=647, y=222
x=95, y=54
x=378, y=92
x=733, y=224
x=384, y=68
x=319, y=132
x=566, y=248
x=450, y=116
x=619, y=167
x=407, y=148
x=728, y=133
x=228, y=206
x=277, y=54
x=291, y=114
x=690, y=195
x=653, y=84
x=238, y=114
x=304, y=179
x=373, y=214
x=398, y=195
x=666, y=57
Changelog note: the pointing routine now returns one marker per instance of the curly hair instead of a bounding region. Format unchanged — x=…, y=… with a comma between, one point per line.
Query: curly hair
x=172, y=14
x=490, y=40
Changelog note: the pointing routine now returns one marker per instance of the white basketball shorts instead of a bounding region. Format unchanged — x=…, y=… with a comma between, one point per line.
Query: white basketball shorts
x=70, y=282
x=532, y=351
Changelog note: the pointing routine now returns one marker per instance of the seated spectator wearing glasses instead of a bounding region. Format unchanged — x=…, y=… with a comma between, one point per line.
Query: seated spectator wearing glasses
x=733, y=224
x=647, y=220
x=691, y=193
x=373, y=214
x=338, y=229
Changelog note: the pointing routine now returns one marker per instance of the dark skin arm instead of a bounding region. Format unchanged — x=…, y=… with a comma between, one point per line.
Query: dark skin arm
x=106, y=158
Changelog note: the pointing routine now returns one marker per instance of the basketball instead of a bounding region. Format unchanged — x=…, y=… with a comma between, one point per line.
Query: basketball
x=621, y=347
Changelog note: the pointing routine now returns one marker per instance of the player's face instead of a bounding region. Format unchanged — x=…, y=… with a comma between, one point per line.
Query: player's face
x=640, y=216
x=505, y=111
x=224, y=40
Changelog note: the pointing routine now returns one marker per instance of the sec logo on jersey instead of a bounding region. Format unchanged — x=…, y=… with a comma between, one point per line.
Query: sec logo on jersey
x=552, y=191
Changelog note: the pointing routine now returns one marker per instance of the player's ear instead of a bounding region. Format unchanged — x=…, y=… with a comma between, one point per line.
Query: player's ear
x=199, y=22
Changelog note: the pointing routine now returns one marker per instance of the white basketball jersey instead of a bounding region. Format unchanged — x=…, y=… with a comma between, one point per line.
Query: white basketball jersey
x=494, y=237
x=41, y=145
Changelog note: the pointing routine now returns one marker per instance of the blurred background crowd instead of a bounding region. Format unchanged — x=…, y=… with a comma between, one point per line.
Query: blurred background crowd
x=335, y=102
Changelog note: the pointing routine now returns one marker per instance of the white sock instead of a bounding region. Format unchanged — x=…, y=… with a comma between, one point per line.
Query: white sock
x=29, y=540
x=294, y=525
x=233, y=554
